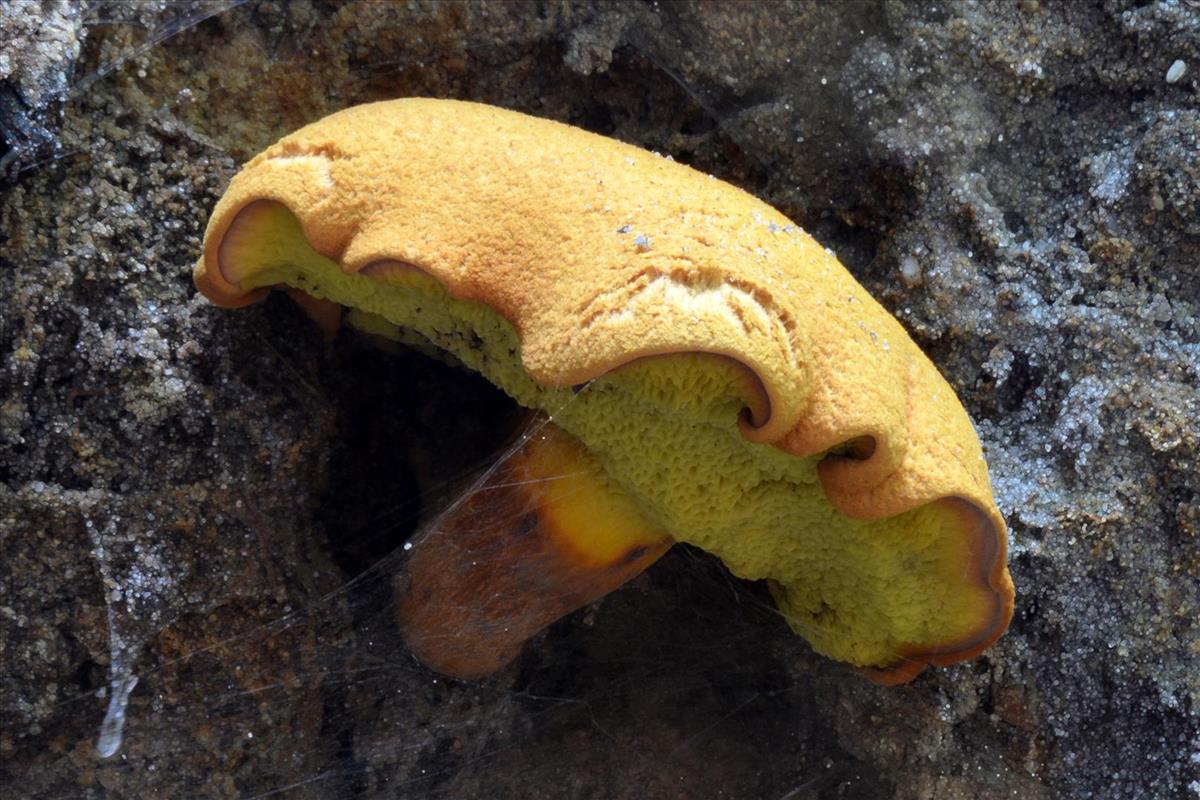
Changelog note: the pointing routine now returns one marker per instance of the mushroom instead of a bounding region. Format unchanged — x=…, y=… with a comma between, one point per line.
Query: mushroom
x=711, y=373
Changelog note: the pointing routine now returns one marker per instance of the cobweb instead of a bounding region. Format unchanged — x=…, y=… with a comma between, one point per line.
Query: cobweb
x=682, y=683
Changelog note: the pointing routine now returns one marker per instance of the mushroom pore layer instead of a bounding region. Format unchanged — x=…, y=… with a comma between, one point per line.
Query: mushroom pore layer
x=665, y=430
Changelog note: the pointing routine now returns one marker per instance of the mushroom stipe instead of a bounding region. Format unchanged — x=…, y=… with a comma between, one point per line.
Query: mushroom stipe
x=713, y=374
x=543, y=534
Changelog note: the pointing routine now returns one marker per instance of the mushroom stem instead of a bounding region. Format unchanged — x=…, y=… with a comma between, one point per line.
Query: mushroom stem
x=543, y=534
x=325, y=314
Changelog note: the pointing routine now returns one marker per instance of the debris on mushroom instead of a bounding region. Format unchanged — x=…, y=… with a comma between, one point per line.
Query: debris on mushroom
x=731, y=386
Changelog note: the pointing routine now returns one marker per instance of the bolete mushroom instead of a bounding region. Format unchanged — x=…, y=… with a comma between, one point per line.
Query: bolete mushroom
x=713, y=376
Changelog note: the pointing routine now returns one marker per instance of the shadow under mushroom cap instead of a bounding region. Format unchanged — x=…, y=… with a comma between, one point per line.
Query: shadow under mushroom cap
x=737, y=383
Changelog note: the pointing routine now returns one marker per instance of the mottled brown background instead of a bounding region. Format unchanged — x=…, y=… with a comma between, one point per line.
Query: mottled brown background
x=1017, y=181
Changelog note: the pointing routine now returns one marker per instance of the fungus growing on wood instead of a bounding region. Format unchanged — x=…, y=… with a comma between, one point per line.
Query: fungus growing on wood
x=714, y=376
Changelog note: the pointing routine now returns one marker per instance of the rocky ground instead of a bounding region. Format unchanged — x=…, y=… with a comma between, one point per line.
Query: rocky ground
x=187, y=494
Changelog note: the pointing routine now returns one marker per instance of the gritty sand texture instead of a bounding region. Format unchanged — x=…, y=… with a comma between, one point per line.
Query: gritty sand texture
x=186, y=491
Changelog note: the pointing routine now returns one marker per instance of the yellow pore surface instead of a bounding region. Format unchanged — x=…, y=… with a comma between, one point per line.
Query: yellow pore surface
x=872, y=592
